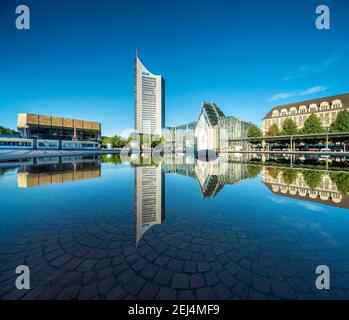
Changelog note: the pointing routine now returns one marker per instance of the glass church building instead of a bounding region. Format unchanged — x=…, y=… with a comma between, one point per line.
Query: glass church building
x=212, y=131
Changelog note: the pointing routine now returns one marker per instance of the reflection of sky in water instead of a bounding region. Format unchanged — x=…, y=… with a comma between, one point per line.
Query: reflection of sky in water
x=202, y=220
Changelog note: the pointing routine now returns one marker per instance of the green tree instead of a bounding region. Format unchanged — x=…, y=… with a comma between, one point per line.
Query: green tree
x=289, y=175
x=312, y=125
x=253, y=171
x=341, y=180
x=341, y=124
x=116, y=141
x=7, y=131
x=289, y=127
x=254, y=131
x=273, y=130
x=312, y=178
x=273, y=172
x=156, y=140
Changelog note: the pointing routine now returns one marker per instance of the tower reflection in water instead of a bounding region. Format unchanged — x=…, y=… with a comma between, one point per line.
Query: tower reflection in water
x=149, y=197
x=322, y=182
x=325, y=181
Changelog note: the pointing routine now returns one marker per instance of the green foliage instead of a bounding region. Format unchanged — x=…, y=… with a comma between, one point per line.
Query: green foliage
x=341, y=124
x=253, y=171
x=341, y=180
x=116, y=141
x=312, y=178
x=312, y=125
x=254, y=131
x=273, y=130
x=155, y=140
x=289, y=175
x=115, y=158
x=273, y=172
x=289, y=127
x=7, y=131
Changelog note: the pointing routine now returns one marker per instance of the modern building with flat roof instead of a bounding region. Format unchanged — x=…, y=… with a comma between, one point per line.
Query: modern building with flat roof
x=57, y=128
x=326, y=109
x=149, y=112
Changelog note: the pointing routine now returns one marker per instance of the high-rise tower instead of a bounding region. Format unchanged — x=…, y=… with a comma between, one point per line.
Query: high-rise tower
x=149, y=101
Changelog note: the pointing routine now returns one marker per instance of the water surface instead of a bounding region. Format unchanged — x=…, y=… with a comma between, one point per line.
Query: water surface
x=174, y=227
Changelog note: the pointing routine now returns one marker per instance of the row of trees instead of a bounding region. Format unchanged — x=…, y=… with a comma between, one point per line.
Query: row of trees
x=116, y=141
x=312, y=178
x=119, y=142
x=311, y=125
x=7, y=131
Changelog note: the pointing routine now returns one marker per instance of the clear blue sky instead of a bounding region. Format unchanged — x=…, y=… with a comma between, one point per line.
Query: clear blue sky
x=77, y=59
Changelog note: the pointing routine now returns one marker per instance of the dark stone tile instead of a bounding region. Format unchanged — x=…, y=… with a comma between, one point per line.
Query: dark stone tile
x=196, y=281
x=69, y=293
x=190, y=267
x=261, y=283
x=166, y=293
x=186, y=295
x=211, y=278
x=163, y=276
x=88, y=292
x=205, y=294
x=282, y=290
x=180, y=281
x=116, y=293
x=149, y=291
x=135, y=285
x=222, y=292
x=175, y=265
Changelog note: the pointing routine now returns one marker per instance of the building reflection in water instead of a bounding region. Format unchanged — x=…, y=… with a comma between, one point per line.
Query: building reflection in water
x=325, y=183
x=310, y=185
x=213, y=175
x=54, y=170
x=149, y=197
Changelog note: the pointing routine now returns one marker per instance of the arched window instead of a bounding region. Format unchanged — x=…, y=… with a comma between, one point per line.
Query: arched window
x=336, y=104
x=302, y=109
x=313, y=108
x=293, y=111
x=275, y=113
x=284, y=112
x=324, y=106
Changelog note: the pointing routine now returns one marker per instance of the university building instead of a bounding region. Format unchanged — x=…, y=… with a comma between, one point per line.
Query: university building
x=326, y=192
x=212, y=131
x=326, y=109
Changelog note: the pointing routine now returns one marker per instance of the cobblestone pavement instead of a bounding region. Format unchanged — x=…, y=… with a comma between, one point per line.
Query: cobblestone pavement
x=190, y=256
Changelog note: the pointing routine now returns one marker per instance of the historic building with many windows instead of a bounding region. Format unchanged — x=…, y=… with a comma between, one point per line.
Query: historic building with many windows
x=326, y=109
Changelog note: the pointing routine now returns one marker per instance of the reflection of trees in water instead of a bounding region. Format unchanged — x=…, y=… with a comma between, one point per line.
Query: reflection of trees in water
x=253, y=171
x=341, y=180
x=289, y=175
x=312, y=178
x=115, y=158
x=4, y=170
x=273, y=172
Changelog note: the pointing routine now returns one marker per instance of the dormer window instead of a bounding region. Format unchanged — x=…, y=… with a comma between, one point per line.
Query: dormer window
x=275, y=113
x=293, y=111
x=313, y=108
x=284, y=112
x=336, y=104
x=302, y=109
x=324, y=106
